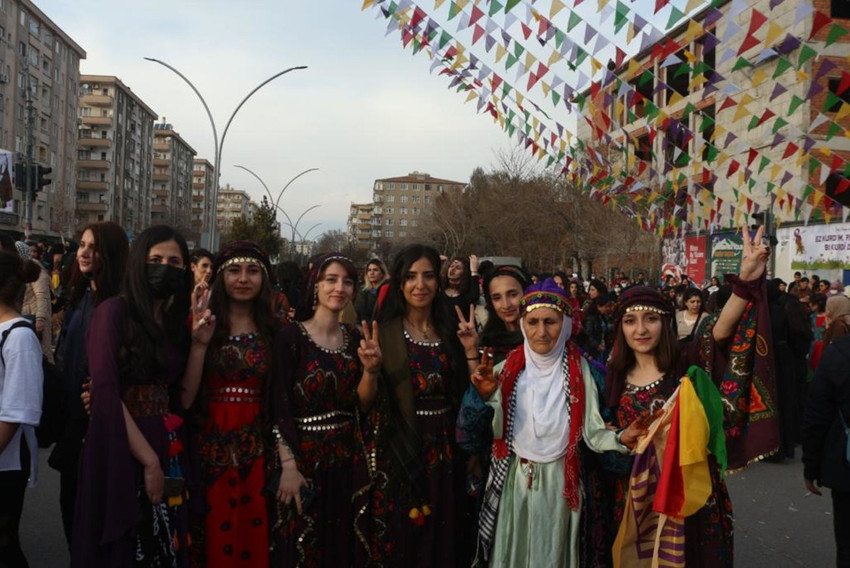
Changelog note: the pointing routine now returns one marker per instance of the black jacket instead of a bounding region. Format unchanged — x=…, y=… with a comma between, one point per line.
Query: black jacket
x=824, y=440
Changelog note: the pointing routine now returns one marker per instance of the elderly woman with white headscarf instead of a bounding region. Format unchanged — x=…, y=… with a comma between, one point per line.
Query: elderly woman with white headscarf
x=546, y=404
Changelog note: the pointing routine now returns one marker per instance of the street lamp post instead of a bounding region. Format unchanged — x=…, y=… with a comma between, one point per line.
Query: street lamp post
x=276, y=202
x=219, y=144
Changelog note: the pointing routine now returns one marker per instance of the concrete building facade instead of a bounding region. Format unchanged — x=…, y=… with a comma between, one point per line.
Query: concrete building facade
x=232, y=204
x=359, y=225
x=402, y=203
x=173, y=171
x=203, y=174
x=37, y=55
x=114, y=155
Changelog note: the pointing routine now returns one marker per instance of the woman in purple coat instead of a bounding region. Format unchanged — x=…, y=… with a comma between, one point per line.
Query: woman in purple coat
x=130, y=500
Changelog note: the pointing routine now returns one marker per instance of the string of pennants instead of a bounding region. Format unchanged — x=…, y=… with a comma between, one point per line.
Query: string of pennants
x=531, y=64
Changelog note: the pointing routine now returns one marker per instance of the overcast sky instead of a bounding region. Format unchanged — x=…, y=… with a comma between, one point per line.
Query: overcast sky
x=364, y=109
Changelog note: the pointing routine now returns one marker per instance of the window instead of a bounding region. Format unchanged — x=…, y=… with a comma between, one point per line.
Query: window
x=389, y=211
x=416, y=211
x=388, y=233
x=415, y=187
x=415, y=199
x=388, y=222
x=427, y=187
x=839, y=9
x=390, y=198
x=676, y=153
x=427, y=199
x=677, y=77
x=834, y=99
x=390, y=186
x=404, y=199
x=643, y=150
x=402, y=233
x=642, y=96
x=838, y=188
x=414, y=223
x=23, y=18
x=403, y=186
x=22, y=49
x=708, y=131
x=402, y=210
x=403, y=223
x=35, y=27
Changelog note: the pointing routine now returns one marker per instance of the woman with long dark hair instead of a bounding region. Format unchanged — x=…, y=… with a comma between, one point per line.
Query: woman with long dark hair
x=461, y=284
x=130, y=499
x=417, y=477
x=688, y=318
x=95, y=276
x=644, y=371
x=326, y=373
x=229, y=370
x=595, y=323
x=20, y=403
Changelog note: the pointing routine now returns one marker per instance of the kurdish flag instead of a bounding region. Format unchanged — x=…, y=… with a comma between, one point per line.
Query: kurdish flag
x=670, y=479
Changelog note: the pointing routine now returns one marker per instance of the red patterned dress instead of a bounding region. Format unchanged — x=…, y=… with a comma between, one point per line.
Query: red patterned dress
x=231, y=447
x=314, y=401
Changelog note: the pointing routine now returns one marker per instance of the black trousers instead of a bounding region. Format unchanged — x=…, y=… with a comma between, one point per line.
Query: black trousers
x=13, y=485
x=841, y=522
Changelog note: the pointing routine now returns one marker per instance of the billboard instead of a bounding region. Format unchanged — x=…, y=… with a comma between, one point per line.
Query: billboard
x=820, y=247
x=726, y=249
x=695, y=249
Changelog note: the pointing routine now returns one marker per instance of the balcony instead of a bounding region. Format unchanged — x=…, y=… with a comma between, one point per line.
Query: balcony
x=364, y=216
x=97, y=120
x=161, y=176
x=161, y=162
x=199, y=185
x=163, y=209
x=92, y=185
x=160, y=193
x=161, y=146
x=92, y=207
x=93, y=164
x=197, y=199
x=94, y=142
x=96, y=100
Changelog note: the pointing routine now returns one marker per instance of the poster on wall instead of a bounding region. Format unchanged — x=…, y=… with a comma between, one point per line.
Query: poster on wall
x=695, y=251
x=726, y=250
x=820, y=247
x=7, y=169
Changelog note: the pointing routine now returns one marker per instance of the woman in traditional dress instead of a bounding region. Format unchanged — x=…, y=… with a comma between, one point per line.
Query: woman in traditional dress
x=130, y=500
x=325, y=373
x=545, y=404
x=645, y=370
x=96, y=276
x=376, y=275
x=416, y=507
x=234, y=355
x=20, y=403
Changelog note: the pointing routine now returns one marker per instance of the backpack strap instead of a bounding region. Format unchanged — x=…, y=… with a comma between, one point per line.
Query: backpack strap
x=6, y=333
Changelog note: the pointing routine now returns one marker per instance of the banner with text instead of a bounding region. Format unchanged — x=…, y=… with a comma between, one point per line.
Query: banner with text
x=726, y=249
x=818, y=247
x=695, y=251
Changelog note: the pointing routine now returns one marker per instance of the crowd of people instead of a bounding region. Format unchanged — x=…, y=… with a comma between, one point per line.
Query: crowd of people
x=219, y=410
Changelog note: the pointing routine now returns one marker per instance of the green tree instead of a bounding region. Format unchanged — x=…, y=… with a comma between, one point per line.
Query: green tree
x=262, y=229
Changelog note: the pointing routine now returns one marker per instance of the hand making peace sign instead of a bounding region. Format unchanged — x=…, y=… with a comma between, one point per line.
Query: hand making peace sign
x=370, y=349
x=483, y=379
x=754, y=255
x=466, y=331
x=203, y=320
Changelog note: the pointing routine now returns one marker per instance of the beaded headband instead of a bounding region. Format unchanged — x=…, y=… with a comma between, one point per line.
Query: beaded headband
x=542, y=298
x=241, y=259
x=641, y=308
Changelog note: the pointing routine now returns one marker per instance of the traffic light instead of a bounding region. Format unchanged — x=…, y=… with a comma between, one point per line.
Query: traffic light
x=21, y=176
x=42, y=179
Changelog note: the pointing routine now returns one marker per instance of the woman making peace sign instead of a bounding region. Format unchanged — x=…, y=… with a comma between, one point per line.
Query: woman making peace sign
x=416, y=504
x=324, y=371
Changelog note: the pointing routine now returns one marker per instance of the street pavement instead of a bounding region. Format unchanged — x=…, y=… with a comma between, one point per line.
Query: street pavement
x=778, y=523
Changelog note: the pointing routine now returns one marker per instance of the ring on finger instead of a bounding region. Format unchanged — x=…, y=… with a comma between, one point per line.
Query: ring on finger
x=203, y=321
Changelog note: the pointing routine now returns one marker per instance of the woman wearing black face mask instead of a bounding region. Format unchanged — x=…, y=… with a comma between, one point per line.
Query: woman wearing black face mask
x=130, y=502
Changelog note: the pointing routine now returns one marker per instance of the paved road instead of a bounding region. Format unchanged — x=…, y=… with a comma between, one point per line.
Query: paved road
x=778, y=524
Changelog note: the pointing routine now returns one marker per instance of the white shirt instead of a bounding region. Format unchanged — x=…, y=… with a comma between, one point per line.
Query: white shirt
x=21, y=381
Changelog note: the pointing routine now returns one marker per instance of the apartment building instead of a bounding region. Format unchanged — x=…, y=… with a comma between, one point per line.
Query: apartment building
x=732, y=114
x=173, y=176
x=360, y=231
x=232, y=204
x=36, y=56
x=203, y=173
x=114, y=155
x=402, y=203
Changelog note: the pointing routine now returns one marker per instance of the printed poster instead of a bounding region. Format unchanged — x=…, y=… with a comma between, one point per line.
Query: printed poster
x=818, y=247
x=695, y=250
x=726, y=251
